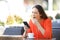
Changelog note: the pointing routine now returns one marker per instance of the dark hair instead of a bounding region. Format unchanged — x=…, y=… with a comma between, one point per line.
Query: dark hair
x=41, y=11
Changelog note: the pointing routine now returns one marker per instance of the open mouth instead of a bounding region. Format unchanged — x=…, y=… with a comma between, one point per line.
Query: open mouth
x=34, y=17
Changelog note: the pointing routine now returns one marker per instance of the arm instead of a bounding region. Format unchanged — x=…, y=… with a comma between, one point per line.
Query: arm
x=48, y=29
x=42, y=30
x=27, y=30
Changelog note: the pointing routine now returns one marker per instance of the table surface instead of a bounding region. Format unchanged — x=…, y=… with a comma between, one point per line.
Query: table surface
x=11, y=36
x=19, y=37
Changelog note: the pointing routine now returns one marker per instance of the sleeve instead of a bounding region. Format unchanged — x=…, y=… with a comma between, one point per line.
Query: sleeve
x=48, y=29
x=29, y=30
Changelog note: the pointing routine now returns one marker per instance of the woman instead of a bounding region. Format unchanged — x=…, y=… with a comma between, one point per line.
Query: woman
x=40, y=24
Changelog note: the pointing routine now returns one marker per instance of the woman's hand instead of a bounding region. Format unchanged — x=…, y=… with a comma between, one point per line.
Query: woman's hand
x=24, y=35
x=25, y=32
x=25, y=28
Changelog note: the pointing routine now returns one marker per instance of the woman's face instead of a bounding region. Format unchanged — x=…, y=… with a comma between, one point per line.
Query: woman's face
x=35, y=13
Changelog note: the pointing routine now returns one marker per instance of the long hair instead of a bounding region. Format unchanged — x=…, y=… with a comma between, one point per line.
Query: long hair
x=41, y=11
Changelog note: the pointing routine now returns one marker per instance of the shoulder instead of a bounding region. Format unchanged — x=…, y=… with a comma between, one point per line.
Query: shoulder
x=48, y=20
x=30, y=21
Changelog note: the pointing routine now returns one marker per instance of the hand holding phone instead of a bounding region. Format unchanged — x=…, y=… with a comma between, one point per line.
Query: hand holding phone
x=25, y=23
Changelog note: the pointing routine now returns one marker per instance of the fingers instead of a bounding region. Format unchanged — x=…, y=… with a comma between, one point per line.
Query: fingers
x=25, y=28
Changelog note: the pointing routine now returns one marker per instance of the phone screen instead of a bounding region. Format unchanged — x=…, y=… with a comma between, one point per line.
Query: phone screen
x=25, y=23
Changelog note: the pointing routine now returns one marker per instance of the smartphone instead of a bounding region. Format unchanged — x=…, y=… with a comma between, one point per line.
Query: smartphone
x=25, y=23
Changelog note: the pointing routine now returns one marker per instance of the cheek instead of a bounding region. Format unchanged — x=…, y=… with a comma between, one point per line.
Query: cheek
x=37, y=16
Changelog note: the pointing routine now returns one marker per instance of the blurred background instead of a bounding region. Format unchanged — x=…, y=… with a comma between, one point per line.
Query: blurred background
x=14, y=12
x=21, y=9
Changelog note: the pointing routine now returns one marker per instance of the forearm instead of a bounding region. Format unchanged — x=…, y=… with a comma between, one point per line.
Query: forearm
x=25, y=34
x=42, y=30
x=39, y=26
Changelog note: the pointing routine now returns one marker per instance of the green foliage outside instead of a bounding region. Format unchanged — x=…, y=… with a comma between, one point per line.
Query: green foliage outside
x=2, y=23
x=57, y=16
x=51, y=17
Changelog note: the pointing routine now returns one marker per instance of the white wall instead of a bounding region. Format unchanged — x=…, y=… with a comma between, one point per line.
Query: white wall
x=11, y=7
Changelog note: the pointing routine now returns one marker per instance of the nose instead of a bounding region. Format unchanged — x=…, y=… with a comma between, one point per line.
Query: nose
x=33, y=15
